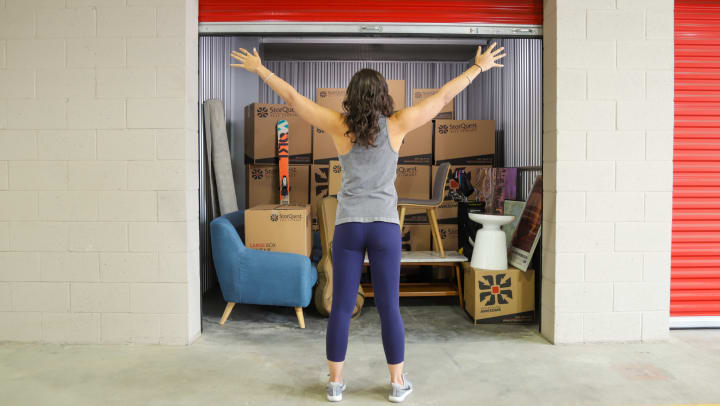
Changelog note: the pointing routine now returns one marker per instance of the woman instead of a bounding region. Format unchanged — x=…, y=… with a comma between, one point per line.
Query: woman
x=367, y=137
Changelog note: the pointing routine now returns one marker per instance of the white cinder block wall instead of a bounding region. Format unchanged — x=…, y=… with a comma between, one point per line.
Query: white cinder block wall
x=608, y=121
x=98, y=171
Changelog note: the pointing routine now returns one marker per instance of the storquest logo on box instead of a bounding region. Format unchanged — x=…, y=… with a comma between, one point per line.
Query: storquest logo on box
x=257, y=174
x=338, y=92
x=273, y=111
x=275, y=217
x=446, y=128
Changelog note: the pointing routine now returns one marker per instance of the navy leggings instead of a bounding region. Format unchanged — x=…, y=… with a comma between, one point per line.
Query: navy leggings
x=383, y=243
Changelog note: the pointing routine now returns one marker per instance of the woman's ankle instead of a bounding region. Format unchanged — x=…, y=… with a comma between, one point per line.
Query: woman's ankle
x=399, y=380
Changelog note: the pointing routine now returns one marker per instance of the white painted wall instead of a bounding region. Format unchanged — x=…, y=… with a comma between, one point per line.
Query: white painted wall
x=608, y=121
x=98, y=171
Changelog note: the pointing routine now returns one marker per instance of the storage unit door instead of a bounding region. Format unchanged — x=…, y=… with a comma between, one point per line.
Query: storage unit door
x=695, y=258
x=525, y=12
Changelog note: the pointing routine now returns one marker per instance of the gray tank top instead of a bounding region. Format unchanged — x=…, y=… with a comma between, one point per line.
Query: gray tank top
x=367, y=192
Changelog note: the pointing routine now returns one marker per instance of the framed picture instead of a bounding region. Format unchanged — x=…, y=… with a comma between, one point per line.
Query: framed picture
x=527, y=232
x=512, y=208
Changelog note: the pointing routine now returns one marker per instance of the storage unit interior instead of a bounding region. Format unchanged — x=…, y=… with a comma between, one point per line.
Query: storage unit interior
x=511, y=96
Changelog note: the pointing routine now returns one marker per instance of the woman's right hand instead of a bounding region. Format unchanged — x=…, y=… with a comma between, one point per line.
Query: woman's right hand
x=487, y=59
x=250, y=61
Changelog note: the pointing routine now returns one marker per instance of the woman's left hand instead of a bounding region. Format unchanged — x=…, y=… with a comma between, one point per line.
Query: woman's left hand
x=249, y=61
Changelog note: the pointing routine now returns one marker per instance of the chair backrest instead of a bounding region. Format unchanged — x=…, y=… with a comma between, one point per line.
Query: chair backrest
x=441, y=175
x=228, y=229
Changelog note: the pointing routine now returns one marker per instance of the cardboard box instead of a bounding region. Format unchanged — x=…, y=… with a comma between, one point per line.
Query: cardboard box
x=261, y=134
x=416, y=147
x=447, y=112
x=506, y=297
x=449, y=236
x=334, y=177
x=458, y=188
x=447, y=212
x=332, y=97
x=413, y=182
x=396, y=89
x=279, y=228
x=416, y=237
x=263, y=184
x=324, y=149
x=464, y=142
x=318, y=190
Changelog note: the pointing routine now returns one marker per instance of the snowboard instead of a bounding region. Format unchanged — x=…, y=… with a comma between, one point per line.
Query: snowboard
x=283, y=132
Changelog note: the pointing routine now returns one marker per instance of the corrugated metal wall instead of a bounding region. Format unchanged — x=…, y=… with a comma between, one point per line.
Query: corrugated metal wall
x=217, y=81
x=512, y=96
x=695, y=257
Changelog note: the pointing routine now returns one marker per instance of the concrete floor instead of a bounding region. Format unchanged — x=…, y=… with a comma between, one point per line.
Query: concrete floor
x=261, y=357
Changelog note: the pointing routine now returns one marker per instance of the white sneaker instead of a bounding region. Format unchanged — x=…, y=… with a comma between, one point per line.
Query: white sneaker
x=398, y=392
x=335, y=390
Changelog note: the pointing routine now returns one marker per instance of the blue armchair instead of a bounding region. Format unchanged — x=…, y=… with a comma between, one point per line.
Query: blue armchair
x=248, y=275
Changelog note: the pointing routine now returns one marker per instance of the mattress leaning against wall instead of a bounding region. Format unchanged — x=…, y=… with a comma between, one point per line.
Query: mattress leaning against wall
x=512, y=96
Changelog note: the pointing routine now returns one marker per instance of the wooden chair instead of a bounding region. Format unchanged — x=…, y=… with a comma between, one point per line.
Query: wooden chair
x=430, y=206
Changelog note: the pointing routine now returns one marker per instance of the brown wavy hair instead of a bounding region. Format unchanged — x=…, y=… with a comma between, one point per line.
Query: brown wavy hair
x=366, y=99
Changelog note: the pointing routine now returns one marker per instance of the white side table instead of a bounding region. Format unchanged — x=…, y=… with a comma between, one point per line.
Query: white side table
x=489, y=247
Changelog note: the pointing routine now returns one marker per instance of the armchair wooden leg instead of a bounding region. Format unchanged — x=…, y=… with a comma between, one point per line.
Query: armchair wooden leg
x=299, y=314
x=432, y=216
x=402, y=217
x=226, y=314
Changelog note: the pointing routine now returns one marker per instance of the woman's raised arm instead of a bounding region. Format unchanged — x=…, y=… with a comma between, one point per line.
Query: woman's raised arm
x=412, y=117
x=315, y=114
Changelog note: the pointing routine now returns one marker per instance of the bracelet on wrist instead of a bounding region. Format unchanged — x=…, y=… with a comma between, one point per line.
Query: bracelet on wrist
x=481, y=69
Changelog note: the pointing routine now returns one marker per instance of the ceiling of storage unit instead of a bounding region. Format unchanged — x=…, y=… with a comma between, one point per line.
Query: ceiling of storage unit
x=370, y=48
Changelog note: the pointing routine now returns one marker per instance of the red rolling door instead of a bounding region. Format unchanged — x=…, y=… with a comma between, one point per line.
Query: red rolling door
x=695, y=258
x=527, y=12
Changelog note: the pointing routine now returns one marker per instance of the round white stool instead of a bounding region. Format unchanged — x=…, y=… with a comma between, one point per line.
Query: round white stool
x=489, y=247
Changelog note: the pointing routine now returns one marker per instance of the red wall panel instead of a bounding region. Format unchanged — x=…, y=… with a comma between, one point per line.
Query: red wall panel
x=525, y=12
x=695, y=257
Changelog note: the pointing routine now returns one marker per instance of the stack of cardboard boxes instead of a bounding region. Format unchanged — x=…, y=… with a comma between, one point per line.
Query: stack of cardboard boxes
x=268, y=225
x=316, y=173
